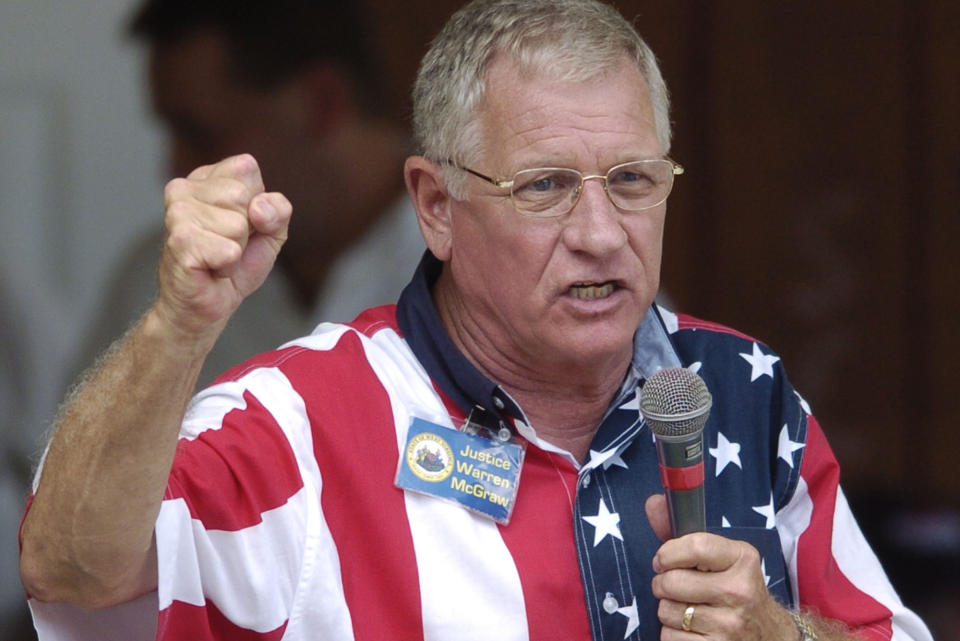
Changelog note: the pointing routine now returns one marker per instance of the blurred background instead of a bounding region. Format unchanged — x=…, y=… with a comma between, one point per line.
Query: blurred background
x=818, y=212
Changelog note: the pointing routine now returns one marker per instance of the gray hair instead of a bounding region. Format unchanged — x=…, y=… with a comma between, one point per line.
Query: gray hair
x=568, y=40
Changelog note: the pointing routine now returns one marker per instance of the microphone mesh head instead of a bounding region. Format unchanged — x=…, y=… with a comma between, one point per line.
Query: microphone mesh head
x=675, y=402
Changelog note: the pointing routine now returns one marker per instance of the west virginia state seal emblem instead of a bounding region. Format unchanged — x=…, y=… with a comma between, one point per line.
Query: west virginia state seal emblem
x=429, y=457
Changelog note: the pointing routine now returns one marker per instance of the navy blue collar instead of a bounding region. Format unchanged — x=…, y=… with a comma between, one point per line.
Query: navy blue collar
x=445, y=364
x=465, y=384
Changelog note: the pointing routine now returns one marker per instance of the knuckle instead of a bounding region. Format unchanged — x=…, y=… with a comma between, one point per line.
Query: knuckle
x=179, y=237
x=234, y=191
x=750, y=555
x=231, y=252
x=727, y=623
x=234, y=226
x=741, y=592
x=245, y=162
x=700, y=544
x=174, y=190
x=177, y=212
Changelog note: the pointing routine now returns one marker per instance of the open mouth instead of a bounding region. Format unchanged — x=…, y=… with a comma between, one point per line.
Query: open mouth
x=592, y=291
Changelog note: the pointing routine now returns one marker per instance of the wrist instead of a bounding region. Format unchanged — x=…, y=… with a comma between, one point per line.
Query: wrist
x=161, y=331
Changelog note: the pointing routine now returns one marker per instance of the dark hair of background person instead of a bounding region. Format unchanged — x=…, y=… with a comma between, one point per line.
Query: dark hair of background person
x=271, y=41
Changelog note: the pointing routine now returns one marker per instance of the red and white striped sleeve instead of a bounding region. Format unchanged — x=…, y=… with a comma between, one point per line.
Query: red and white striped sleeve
x=833, y=570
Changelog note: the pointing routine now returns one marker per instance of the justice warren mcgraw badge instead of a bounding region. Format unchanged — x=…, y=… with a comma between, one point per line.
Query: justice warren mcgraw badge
x=430, y=457
x=469, y=470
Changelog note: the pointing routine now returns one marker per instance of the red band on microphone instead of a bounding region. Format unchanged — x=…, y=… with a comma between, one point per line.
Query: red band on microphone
x=682, y=478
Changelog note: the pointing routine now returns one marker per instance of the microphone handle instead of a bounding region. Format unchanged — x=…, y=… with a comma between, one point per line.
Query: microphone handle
x=681, y=470
x=687, y=511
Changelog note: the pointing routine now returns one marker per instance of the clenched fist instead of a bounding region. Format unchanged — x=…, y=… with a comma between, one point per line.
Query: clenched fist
x=223, y=234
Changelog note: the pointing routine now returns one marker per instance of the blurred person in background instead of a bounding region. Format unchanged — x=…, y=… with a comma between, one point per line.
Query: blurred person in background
x=297, y=84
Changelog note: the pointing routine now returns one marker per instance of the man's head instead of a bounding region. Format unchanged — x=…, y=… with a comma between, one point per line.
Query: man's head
x=566, y=40
x=510, y=86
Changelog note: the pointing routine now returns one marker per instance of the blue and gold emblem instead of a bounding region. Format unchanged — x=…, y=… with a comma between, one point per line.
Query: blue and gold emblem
x=430, y=457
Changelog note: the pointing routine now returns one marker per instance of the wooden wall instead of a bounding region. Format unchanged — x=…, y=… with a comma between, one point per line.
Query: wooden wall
x=819, y=211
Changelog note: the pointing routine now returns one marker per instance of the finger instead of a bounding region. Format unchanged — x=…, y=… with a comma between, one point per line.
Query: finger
x=185, y=217
x=699, y=550
x=674, y=614
x=269, y=219
x=196, y=248
x=658, y=515
x=229, y=193
x=269, y=214
x=687, y=586
x=242, y=167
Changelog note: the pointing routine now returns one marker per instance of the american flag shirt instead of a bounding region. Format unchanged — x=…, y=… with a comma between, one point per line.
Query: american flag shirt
x=281, y=519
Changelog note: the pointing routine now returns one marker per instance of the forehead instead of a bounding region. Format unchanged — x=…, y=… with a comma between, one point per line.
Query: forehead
x=530, y=119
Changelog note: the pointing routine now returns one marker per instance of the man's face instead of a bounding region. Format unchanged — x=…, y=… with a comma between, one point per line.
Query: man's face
x=569, y=289
x=211, y=115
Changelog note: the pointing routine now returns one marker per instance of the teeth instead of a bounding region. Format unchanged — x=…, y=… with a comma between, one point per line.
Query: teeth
x=591, y=292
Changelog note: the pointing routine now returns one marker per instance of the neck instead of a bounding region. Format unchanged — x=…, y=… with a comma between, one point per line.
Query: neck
x=564, y=398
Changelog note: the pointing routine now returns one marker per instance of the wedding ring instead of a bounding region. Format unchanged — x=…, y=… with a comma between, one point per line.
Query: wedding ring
x=687, y=618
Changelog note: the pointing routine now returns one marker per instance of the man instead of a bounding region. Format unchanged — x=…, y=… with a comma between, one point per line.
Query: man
x=312, y=111
x=469, y=464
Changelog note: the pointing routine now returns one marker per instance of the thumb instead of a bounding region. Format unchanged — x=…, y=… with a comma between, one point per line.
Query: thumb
x=658, y=515
x=269, y=217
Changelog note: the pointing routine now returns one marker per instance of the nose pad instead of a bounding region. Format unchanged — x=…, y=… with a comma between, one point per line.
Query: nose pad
x=575, y=195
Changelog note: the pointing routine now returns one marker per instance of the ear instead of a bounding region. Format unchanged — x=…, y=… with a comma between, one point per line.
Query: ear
x=428, y=192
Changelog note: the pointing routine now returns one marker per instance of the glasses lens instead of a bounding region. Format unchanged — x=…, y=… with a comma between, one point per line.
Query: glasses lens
x=640, y=185
x=544, y=192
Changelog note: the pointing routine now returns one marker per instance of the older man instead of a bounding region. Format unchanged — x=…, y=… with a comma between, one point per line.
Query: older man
x=470, y=463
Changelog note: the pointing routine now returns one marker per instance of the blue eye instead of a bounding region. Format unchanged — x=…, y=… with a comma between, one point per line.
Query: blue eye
x=543, y=184
x=540, y=181
x=631, y=177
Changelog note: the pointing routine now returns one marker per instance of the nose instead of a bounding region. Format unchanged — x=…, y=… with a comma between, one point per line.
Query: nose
x=594, y=225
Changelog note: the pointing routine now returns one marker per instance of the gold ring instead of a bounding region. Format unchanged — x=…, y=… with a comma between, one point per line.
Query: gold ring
x=687, y=618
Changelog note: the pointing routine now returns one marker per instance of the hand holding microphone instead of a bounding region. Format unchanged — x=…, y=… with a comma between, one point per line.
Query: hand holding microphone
x=706, y=583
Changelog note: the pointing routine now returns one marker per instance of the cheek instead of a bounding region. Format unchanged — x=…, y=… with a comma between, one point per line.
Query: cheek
x=646, y=238
x=502, y=252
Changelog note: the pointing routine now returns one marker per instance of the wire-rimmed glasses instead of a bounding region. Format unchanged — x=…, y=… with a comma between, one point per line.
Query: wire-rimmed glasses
x=549, y=192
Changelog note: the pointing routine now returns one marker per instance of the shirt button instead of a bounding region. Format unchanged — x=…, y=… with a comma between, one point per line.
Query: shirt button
x=610, y=604
x=585, y=482
x=498, y=403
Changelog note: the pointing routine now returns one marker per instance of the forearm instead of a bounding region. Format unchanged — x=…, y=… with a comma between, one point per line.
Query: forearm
x=87, y=537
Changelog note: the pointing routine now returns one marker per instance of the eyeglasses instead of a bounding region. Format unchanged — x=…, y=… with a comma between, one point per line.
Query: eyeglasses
x=549, y=192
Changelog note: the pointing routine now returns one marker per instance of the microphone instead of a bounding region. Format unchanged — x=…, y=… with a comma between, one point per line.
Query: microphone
x=675, y=403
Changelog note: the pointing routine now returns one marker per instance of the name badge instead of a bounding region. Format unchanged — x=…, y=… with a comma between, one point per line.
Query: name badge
x=476, y=472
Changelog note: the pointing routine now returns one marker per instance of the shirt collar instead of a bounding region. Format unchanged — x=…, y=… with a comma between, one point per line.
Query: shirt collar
x=445, y=364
